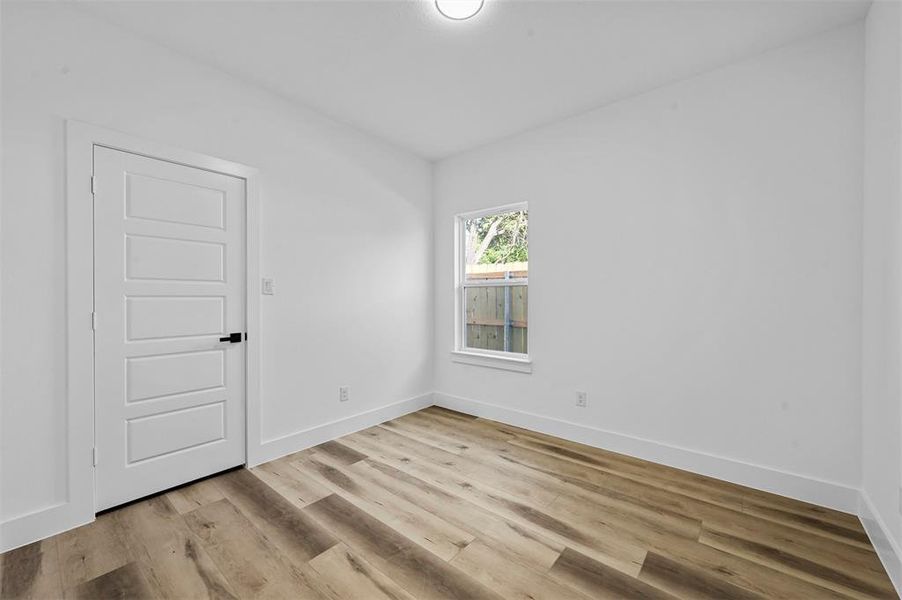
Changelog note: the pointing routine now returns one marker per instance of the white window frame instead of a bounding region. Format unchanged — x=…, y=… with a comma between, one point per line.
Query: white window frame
x=510, y=361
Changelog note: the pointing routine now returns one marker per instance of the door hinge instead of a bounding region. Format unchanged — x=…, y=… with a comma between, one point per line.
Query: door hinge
x=94, y=321
x=95, y=455
x=93, y=184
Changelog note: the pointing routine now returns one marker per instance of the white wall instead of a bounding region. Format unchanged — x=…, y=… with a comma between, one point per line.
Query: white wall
x=882, y=301
x=346, y=234
x=695, y=266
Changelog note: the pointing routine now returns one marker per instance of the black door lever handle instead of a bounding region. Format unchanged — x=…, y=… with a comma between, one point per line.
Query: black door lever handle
x=232, y=338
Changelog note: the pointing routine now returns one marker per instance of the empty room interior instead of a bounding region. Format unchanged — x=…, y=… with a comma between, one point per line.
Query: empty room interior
x=434, y=299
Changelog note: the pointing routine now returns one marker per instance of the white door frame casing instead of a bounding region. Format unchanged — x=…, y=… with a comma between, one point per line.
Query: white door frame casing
x=77, y=506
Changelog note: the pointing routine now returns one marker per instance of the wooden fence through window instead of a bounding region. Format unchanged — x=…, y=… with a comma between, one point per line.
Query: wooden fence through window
x=497, y=316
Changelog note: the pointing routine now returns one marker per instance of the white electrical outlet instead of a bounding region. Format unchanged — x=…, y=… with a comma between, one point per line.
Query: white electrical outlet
x=582, y=399
x=266, y=287
x=344, y=394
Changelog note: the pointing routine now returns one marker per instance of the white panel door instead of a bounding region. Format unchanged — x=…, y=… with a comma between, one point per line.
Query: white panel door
x=169, y=282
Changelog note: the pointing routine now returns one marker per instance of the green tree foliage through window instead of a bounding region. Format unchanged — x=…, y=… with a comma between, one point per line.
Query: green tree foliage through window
x=497, y=239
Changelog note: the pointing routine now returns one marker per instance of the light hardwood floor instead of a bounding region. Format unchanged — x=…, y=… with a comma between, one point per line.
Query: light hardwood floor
x=438, y=504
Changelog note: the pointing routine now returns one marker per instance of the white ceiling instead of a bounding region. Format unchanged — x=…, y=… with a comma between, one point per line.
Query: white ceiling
x=398, y=70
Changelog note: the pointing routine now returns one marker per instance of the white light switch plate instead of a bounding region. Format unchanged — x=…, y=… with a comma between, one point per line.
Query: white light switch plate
x=266, y=288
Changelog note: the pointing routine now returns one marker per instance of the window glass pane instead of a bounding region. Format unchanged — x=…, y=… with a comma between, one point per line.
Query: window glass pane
x=496, y=318
x=496, y=246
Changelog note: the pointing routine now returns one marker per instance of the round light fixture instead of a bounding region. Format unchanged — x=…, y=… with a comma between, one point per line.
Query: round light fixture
x=458, y=9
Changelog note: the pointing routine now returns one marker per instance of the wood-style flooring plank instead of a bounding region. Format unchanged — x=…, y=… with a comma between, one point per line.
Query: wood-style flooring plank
x=175, y=560
x=296, y=534
x=31, y=572
x=253, y=565
x=600, y=484
x=719, y=492
x=687, y=582
x=599, y=581
x=284, y=478
x=92, y=550
x=854, y=535
x=590, y=510
x=826, y=552
x=528, y=546
x=616, y=552
x=615, y=464
x=803, y=568
x=631, y=513
x=464, y=466
x=339, y=452
x=753, y=500
x=417, y=570
x=730, y=497
x=739, y=572
x=427, y=433
x=194, y=495
x=509, y=578
x=421, y=526
x=353, y=577
x=496, y=488
x=122, y=583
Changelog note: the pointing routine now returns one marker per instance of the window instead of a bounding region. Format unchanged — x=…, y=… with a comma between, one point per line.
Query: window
x=493, y=288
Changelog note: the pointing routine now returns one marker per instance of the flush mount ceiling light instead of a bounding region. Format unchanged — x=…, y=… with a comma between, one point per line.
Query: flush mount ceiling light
x=458, y=10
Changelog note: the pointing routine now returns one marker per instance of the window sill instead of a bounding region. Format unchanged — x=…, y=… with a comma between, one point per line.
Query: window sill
x=493, y=361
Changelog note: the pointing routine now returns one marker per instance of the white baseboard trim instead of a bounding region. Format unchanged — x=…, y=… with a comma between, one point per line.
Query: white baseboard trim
x=887, y=549
x=294, y=442
x=40, y=524
x=824, y=493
